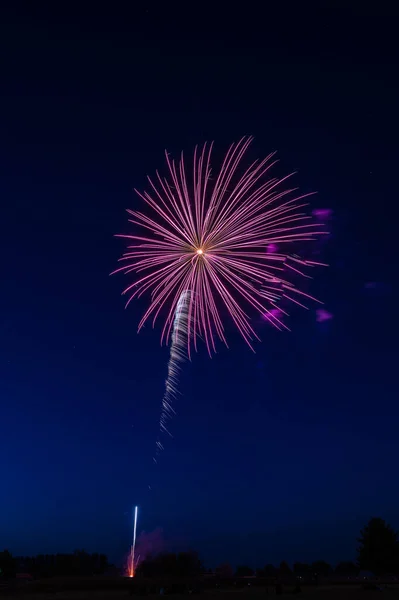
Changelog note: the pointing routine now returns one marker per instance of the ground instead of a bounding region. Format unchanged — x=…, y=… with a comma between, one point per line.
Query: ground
x=318, y=593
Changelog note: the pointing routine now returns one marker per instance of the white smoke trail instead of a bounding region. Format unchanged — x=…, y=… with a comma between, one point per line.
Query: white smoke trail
x=178, y=354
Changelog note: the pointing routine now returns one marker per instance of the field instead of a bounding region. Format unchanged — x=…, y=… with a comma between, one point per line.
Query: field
x=342, y=592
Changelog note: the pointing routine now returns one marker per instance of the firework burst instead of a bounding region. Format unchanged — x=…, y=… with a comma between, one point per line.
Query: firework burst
x=209, y=239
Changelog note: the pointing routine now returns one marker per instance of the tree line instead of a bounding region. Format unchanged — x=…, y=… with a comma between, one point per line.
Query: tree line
x=377, y=553
x=319, y=568
x=76, y=564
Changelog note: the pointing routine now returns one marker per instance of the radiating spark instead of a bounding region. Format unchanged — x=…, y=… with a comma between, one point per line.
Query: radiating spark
x=222, y=238
x=323, y=213
x=323, y=315
x=274, y=313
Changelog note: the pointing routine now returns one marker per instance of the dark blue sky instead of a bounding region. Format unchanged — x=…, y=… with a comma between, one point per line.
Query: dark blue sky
x=279, y=455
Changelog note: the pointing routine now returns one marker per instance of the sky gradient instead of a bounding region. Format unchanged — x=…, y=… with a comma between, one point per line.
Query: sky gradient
x=282, y=454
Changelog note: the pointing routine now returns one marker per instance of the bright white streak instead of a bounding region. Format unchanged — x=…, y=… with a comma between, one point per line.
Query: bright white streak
x=132, y=563
x=178, y=354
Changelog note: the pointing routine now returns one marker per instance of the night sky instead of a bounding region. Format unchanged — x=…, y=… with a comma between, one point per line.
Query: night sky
x=282, y=454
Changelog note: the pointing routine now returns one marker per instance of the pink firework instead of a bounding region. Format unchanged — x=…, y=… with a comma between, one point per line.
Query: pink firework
x=210, y=234
x=323, y=315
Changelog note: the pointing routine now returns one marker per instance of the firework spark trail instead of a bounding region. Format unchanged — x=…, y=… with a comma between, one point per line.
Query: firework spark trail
x=132, y=561
x=177, y=355
x=210, y=236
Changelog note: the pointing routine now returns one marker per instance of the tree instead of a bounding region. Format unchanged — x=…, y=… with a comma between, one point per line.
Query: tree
x=347, y=569
x=270, y=571
x=244, y=571
x=378, y=549
x=188, y=564
x=183, y=564
x=284, y=569
x=301, y=569
x=224, y=571
x=161, y=564
x=7, y=565
x=322, y=568
x=78, y=564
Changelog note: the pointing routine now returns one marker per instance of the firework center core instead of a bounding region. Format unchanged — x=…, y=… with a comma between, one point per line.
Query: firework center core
x=200, y=251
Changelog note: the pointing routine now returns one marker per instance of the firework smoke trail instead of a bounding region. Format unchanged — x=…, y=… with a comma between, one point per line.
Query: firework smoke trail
x=181, y=331
x=132, y=563
x=210, y=235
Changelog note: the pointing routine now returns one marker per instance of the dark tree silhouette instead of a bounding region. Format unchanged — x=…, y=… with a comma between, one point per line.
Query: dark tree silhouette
x=225, y=571
x=322, y=568
x=378, y=549
x=347, y=569
x=189, y=564
x=155, y=566
x=301, y=569
x=270, y=571
x=183, y=564
x=7, y=565
x=284, y=569
x=78, y=564
x=244, y=571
